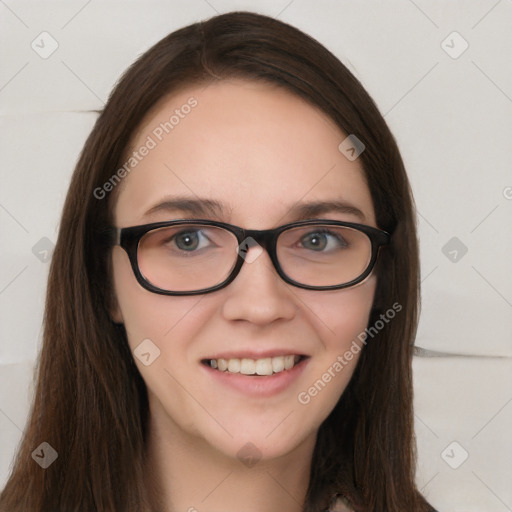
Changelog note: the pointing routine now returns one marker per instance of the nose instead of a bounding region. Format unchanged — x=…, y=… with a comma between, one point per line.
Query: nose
x=258, y=294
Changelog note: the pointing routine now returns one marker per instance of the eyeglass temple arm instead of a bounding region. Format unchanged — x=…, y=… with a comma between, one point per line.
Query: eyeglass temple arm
x=110, y=236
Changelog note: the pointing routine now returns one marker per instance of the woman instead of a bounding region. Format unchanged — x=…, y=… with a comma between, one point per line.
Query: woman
x=233, y=296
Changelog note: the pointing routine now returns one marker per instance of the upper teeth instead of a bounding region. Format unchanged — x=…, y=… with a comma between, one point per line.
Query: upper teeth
x=265, y=366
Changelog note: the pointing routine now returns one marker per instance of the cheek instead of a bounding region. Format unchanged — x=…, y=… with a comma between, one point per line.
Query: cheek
x=340, y=319
x=340, y=316
x=148, y=315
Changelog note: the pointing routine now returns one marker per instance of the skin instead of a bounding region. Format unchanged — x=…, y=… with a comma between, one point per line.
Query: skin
x=258, y=149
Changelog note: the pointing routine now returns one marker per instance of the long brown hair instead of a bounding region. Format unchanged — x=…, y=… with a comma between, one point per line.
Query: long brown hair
x=90, y=401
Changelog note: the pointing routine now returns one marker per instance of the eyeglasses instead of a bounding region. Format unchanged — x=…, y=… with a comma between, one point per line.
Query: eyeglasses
x=191, y=257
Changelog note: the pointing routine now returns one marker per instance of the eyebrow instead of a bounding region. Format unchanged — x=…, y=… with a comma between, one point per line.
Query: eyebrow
x=199, y=207
x=212, y=208
x=313, y=209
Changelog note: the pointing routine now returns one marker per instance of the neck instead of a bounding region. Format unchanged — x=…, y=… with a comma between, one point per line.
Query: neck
x=186, y=474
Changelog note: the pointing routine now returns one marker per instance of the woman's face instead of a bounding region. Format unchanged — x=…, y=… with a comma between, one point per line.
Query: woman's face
x=261, y=153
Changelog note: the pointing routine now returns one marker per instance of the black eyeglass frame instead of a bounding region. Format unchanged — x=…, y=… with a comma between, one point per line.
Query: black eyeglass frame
x=129, y=237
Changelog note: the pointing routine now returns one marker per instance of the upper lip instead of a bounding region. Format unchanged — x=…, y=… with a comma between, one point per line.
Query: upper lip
x=252, y=354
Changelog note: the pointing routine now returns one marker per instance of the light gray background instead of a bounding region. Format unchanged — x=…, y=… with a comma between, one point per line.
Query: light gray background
x=451, y=114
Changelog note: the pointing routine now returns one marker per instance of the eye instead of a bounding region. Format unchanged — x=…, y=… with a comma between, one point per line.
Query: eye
x=186, y=241
x=323, y=240
x=190, y=240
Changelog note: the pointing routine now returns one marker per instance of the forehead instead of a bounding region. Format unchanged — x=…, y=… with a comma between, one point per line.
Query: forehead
x=252, y=146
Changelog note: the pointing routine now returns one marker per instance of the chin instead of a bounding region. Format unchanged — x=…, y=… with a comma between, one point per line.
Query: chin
x=254, y=440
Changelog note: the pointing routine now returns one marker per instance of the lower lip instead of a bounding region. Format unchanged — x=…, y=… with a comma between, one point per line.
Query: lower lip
x=258, y=385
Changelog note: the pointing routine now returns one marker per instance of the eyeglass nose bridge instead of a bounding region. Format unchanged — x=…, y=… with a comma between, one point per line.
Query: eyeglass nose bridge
x=263, y=238
x=251, y=238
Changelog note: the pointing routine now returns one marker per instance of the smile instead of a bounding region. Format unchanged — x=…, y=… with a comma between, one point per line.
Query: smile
x=263, y=366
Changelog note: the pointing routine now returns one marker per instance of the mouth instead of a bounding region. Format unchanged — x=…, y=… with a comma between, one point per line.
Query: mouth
x=265, y=366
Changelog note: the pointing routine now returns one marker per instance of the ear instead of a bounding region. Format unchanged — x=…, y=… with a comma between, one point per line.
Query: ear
x=113, y=308
x=111, y=302
x=117, y=316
